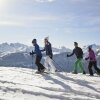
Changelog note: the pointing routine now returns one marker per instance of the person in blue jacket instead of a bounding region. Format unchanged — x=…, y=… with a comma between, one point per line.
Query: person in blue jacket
x=38, y=53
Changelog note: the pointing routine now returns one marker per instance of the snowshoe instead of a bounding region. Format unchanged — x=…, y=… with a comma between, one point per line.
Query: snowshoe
x=74, y=72
x=84, y=72
x=38, y=72
x=42, y=71
x=91, y=75
x=97, y=73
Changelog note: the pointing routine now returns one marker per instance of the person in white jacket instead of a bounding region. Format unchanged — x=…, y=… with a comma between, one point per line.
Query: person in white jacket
x=49, y=56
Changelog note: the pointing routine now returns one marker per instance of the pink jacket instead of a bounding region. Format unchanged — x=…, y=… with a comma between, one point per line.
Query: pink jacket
x=92, y=56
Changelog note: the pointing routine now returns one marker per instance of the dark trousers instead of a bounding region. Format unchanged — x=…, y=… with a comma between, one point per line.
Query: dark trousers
x=51, y=56
x=39, y=65
x=91, y=64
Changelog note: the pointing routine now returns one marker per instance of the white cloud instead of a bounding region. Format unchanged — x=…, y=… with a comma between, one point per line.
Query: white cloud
x=78, y=0
x=11, y=23
x=42, y=1
x=42, y=18
x=17, y=19
x=38, y=1
x=5, y=5
x=8, y=20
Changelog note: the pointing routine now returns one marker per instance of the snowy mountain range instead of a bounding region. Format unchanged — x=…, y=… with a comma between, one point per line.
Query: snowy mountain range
x=17, y=55
x=6, y=48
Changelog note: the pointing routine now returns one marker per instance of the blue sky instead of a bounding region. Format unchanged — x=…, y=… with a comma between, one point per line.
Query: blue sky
x=64, y=21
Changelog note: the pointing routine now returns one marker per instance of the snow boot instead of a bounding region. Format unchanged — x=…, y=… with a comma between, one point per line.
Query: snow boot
x=74, y=72
x=97, y=73
x=91, y=75
x=42, y=70
x=84, y=72
x=38, y=72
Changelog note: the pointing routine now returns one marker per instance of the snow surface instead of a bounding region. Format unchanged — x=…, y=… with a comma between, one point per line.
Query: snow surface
x=24, y=84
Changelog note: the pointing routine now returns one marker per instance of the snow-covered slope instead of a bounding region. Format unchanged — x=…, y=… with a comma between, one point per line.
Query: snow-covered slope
x=24, y=84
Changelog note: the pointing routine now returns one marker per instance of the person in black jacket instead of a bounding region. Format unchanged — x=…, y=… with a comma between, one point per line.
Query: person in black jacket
x=49, y=56
x=79, y=54
x=48, y=48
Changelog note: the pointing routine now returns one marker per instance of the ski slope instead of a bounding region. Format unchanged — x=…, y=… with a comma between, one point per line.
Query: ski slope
x=24, y=84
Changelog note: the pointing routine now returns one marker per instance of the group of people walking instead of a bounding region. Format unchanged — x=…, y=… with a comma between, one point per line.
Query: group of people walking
x=91, y=57
x=49, y=58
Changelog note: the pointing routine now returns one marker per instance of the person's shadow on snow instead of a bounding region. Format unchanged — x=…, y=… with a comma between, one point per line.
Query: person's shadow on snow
x=67, y=88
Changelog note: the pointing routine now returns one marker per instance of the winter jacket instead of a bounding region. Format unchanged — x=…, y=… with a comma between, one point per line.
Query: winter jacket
x=78, y=52
x=92, y=56
x=37, y=50
x=48, y=49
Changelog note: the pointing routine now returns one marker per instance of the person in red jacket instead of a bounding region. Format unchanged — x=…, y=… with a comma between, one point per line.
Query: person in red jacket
x=92, y=62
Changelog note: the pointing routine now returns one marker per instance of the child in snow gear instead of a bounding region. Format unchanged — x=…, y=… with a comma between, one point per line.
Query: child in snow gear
x=79, y=54
x=49, y=56
x=38, y=53
x=92, y=61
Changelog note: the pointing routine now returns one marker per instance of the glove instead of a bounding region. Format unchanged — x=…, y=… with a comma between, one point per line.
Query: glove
x=32, y=53
x=67, y=55
x=91, y=58
x=86, y=58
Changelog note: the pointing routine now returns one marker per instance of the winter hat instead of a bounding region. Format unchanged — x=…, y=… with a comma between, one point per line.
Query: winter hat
x=46, y=38
x=34, y=41
x=75, y=43
x=90, y=46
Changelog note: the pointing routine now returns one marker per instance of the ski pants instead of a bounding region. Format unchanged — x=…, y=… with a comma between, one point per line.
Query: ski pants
x=39, y=65
x=79, y=64
x=91, y=64
x=49, y=64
